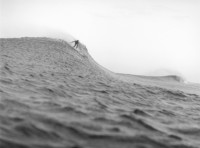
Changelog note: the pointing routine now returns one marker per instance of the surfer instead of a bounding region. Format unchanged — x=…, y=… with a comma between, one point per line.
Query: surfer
x=76, y=43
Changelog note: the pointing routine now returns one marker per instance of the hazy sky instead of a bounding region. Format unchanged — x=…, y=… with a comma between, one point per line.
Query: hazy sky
x=142, y=37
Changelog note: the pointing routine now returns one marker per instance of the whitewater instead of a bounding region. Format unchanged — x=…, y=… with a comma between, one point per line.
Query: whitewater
x=55, y=96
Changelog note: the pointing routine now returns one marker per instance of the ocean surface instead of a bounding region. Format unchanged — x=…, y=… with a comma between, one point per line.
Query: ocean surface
x=55, y=96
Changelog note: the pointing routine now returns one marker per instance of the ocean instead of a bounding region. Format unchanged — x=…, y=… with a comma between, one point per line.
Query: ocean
x=55, y=96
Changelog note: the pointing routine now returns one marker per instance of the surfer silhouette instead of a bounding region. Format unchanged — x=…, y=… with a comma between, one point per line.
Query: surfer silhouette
x=76, y=43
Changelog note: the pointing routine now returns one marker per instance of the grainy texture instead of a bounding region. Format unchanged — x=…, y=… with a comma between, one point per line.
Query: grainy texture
x=53, y=96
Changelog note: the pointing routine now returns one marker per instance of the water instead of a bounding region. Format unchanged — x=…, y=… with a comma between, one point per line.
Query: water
x=53, y=96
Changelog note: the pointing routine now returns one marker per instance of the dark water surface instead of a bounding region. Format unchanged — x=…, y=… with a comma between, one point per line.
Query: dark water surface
x=52, y=96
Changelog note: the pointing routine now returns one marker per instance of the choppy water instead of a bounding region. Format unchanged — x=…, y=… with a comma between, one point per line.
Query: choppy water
x=53, y=96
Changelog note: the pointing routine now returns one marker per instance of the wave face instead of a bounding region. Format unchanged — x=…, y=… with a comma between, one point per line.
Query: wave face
x=53, y=96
